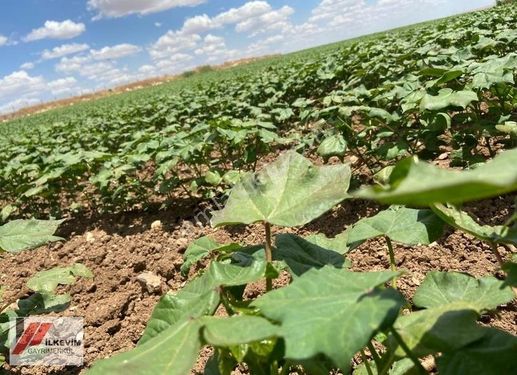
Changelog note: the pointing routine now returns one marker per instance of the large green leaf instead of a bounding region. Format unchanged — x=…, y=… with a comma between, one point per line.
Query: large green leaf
x=201, y=248
x=289, y=192
x=200, y=296
x=461, y=220
x=18, y=235
x=354, y=307
x=338, y=244
x=494, y=354
x=401, y=224
x=444, y=328
x=47, y=281
x=174, y=352
x=414, y=182
x=441, y=288
x=448, y=98
x=300, y=255
x=237, y=330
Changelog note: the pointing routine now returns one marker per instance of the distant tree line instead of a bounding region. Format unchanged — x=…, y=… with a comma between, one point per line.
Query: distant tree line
x=503, y=2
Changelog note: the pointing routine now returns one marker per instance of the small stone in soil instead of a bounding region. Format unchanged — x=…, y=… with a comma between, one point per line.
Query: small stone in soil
x=156, y=225
x=90, y=238
x=150, y=281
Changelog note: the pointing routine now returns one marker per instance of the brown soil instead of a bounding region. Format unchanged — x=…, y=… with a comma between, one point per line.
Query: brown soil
x=116, y=307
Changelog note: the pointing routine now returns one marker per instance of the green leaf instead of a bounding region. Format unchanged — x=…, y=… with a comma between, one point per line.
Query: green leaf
x=511, y=273
x=237, y=330
x=404, y=366
x=335, y=145
x=200, y=296
x=461, y=220
x=493, y=354
x=300, y=255
x=201, y=248
x=338, y=244
x=6, y=212
x=47, y=281
x=289, y=192
x=441, y=288
x=448, y=98
x=509, y=127
x=213, y=178
x=43, y=303
x=417, y=183
x=355, y=307
x=444, y=328
x=405, y=225
x=174, y=352
x=19, y=235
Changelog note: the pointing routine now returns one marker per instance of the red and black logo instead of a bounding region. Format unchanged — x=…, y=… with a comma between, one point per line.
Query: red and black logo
x=32, y=335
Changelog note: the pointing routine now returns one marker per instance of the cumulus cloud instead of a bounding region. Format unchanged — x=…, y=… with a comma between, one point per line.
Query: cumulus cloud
x=22, y=86
x=20, y=83
x=3, y=40
x=355, y=17
x=56, y=30
x=211, y=45
x=173, y=42
x=28, y=90
x=63, y=50
x=120, y=8
x=251, y=16
x=63, y=86
x=115, y=52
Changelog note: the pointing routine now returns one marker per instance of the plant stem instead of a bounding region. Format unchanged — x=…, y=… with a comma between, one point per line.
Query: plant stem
x=366, y=363
x=387, y=363
x=269, y=254
x=497, y=254
x=393, y=264
x=226, y=302
x=408, y=351
x=375, y=355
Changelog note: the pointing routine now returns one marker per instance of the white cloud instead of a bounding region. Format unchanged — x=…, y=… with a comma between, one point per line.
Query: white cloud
x=147, y=69
x=172, y=43
x=356, y=17
x=115, y=52
x=63, y=50
x=174, y=64
x=254, y=15
x=272, y=20
x=22, y=86
x=72, y=64
x=18, y=104
x=56, y=30
x=101, y=70
x=20, y=83
x=198, y=24
x=3, y=40
x=158, y=24
x=249, y=10
x=211, y=44
x=63, y=86
x=27, y=66
x=120, y=8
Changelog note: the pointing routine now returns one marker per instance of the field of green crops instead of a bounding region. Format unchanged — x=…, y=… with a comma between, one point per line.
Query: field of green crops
x=407, y=92
x=423, y=119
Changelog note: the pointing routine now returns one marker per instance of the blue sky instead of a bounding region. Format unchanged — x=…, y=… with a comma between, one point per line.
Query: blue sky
x=51, y=49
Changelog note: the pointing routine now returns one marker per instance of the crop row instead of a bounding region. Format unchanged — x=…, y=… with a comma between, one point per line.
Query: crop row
x=447, y=86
